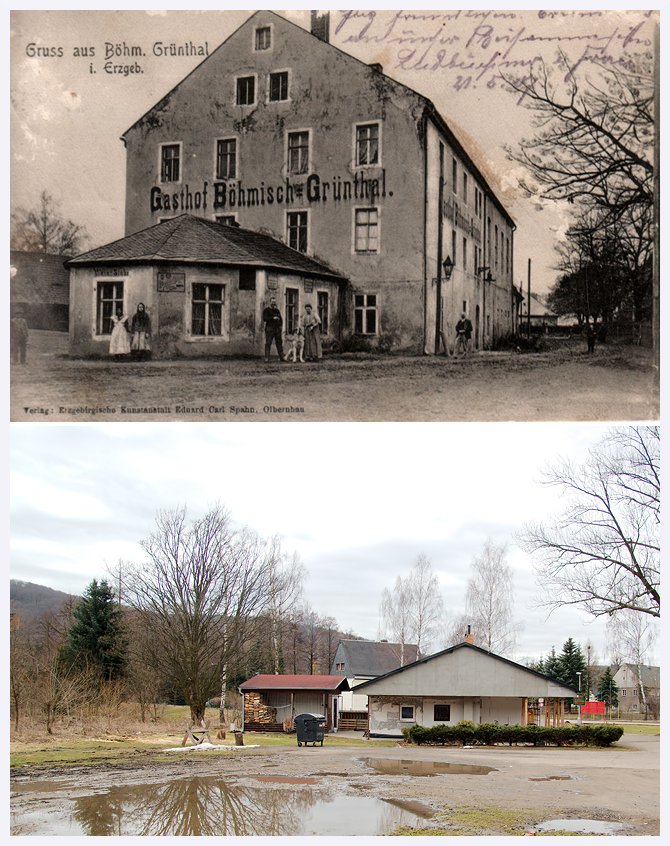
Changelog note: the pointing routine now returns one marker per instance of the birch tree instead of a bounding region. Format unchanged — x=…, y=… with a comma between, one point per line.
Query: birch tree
x=631, y=636
x=489, y=601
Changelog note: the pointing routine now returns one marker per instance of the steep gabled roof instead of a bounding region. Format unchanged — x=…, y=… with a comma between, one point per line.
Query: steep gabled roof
x=468, y=646
x=265, y=681
x=187, y=239
x=375, y=658
x=430, y=110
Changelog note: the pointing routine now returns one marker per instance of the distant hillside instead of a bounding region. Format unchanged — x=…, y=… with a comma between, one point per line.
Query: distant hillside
x=30, y=601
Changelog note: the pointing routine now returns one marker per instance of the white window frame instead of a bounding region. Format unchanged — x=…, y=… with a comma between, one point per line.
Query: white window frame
x=160, y=162
x=402, y=719
x=309, y=228
x=365, y=307
x=103, y=281
x=354, y=251
x=225, y=333
x=269, y=49
x=245, y=76
x=354, y=156
x=287, y=71
x=236, y=139
x=289, y=132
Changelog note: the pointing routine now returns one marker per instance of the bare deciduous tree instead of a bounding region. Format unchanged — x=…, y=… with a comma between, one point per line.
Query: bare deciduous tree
x=489, y=601
x=603, y=552
x=43, y=229
x=199, y=589
x=631, y=636
x=286, y=580
x=412, y=610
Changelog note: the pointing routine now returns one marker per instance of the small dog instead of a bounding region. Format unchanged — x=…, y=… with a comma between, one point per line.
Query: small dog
x=297, y=341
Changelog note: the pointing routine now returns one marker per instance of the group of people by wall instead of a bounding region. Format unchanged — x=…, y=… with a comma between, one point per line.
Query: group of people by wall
x=304, y=339
x=132, y=341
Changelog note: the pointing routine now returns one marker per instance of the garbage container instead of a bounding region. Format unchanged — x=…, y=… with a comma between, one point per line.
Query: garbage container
x=310, y=728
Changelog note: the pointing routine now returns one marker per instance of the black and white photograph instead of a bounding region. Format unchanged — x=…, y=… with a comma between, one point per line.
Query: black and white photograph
x=339, y=215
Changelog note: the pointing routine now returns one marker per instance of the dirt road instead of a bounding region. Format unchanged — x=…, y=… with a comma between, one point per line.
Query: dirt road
x=563, y=383
x=484, y=791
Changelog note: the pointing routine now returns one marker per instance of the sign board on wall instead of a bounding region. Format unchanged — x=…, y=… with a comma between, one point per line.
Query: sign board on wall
x=309, y=285
x=168, y=281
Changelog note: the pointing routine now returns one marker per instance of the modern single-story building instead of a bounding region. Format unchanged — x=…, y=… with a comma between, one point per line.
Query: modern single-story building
x=464, y=682
x=270, y=702
x=204, y=285
x=282, y=132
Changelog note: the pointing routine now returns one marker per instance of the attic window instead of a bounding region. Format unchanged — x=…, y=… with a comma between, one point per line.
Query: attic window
x=263, y=39
x=339, y=667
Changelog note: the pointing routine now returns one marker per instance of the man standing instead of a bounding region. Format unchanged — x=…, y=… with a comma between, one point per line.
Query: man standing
x=273, y=323
x=463, y=335
x=18, y=338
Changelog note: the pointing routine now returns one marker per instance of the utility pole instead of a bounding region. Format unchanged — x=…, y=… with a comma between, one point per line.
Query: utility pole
x=529, y=299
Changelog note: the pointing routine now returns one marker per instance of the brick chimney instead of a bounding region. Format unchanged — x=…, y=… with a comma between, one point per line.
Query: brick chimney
x=468, y=637
x=320, y=26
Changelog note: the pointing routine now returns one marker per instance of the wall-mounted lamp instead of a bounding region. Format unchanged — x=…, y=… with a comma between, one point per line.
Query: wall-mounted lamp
x=486, y=270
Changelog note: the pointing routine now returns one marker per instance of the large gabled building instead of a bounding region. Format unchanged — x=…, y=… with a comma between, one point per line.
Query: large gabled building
x=281, y=132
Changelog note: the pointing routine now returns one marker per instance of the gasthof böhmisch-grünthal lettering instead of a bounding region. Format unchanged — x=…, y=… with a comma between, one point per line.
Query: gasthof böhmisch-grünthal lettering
x=283, y=167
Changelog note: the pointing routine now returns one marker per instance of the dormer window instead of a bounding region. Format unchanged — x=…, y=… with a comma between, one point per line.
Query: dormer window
x=263, y=38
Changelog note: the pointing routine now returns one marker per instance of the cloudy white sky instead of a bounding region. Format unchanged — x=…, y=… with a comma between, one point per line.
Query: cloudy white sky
x=358, y=503
x=67, y=122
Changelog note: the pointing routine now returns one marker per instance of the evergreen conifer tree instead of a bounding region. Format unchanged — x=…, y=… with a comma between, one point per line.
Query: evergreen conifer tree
x=570, y=665
x=95, y=639
x=608, y=690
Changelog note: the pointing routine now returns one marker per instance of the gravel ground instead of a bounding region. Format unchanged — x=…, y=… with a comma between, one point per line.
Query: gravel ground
x=525, y=785
x=562, y=383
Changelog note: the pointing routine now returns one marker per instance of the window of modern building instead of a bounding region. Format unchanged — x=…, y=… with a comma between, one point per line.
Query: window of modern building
x=297, y=230
x=226, y=219
x=365, y=314
x=170, y=158
x=207, y=309
x=226, y=158
x=298, y=151
x=368, y=148
x=247, y=279
x=454, y=175
x=109, y=301
x=291, y=313
x=323, y=310
x=340, y=667
x=278, y=87
x=263, y=38
x=407, y=713
x=366, y=230
x=246, y=90
x=441, y=713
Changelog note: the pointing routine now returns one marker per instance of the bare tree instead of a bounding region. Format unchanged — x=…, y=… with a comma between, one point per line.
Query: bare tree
x=43, y=229
x=603, y=553
x=200, y=587
x=489, y=601
x=631, y=635
x=286, y=579
x=412, y=611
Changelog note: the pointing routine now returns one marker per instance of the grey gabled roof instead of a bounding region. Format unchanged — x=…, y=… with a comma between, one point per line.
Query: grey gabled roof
x=188, y=239
x=452, y=649
x=375, y=658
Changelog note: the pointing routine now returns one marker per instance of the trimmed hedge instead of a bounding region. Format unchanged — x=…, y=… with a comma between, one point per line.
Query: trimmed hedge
x=489, y=734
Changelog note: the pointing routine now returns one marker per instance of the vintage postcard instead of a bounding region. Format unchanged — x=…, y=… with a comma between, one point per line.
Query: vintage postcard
x=324, y=216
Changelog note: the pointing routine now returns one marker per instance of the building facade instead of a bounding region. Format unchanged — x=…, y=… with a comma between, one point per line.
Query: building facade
x=280, y=132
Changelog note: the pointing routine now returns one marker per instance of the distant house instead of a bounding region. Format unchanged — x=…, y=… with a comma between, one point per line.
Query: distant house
x=629, y=681
x=463, y=682
x=40, y=288
x=270, y=701
x=540, y=313
x=362, y=660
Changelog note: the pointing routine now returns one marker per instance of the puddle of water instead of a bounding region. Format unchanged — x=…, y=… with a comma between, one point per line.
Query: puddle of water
x=581, y=826
x=552, y=778
x=209, y=807
x=414, y=807
x=389, y=766
x=287, y=779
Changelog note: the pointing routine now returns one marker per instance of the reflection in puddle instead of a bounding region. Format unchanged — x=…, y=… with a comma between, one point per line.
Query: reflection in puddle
x=209, y=807
x=287, y=779
x=581, y=826
x=389, y=766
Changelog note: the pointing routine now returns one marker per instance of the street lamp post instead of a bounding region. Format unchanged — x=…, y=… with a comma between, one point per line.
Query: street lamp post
x=447, y=267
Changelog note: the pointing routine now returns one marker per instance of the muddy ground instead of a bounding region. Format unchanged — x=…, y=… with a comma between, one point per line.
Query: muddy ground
x=618, y=382
x=202, y=792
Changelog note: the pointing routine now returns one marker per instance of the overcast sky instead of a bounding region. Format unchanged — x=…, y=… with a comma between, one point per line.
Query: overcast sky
x=358, y=503
x=67, y=122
